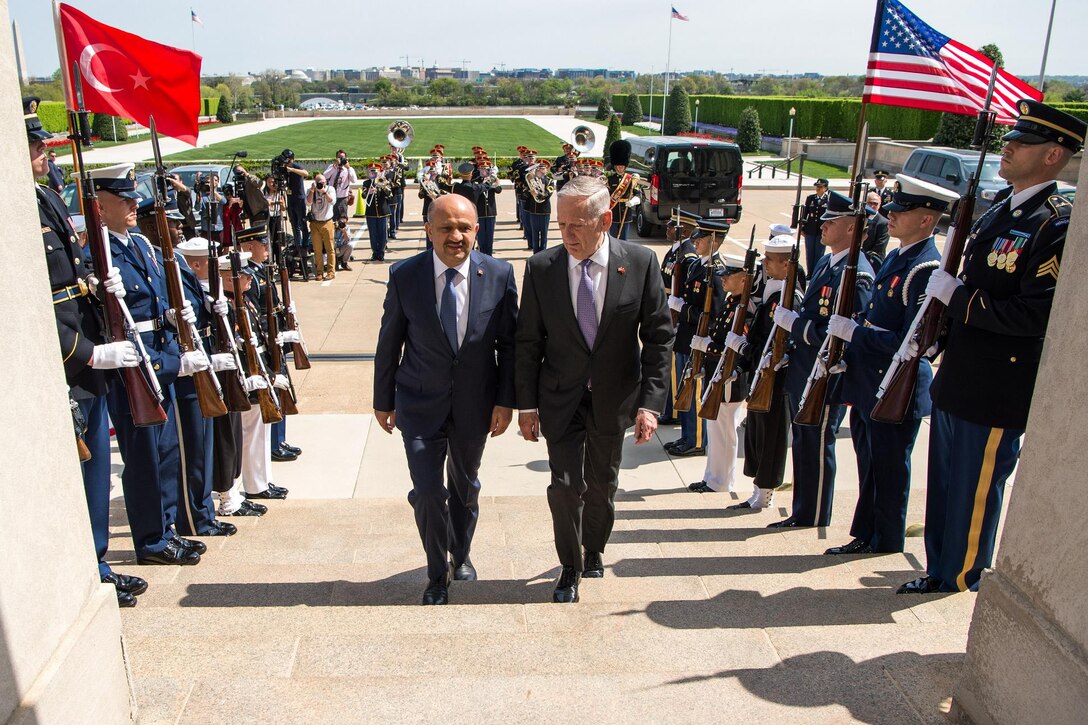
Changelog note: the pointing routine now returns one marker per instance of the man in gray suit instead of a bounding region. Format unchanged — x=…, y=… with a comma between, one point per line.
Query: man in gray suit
x=444, y=375
x=583, y=378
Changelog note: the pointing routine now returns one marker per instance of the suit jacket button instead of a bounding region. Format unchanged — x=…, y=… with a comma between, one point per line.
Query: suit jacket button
x=1012, y=359
x=880, y=371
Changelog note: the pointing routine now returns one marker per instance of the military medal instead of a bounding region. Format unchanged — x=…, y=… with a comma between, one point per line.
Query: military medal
x=1001, y=260
x=1010, y=268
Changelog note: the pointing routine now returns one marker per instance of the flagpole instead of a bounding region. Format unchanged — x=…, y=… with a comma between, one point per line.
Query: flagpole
x=651, y=94
x=192, y=28
x=668, y=65
x=1046, y=45
x=65, y=71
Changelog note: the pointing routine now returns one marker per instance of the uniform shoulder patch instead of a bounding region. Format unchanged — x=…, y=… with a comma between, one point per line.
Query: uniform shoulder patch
x=1059, y=205
x=1049, y=267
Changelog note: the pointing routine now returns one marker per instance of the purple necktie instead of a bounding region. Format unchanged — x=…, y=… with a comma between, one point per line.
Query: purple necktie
x=587, y=308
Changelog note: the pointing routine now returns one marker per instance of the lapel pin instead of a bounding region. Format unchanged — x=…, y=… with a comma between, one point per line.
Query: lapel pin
x=1017, y=213
x=479, y=273
x=621, y=270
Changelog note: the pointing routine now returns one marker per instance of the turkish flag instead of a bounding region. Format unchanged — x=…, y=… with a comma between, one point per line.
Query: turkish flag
x=132, y=77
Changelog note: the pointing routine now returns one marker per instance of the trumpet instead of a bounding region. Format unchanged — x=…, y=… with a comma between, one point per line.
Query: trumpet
x=400, y=134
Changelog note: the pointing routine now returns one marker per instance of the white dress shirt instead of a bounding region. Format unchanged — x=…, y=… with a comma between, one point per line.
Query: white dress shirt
x=1020, y=197
x=460, y=292
x=597, y=273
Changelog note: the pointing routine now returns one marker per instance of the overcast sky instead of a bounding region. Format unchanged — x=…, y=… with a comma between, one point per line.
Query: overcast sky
x=744, y=36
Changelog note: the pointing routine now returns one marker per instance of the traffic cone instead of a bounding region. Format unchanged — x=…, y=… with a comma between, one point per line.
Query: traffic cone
x=360, y=207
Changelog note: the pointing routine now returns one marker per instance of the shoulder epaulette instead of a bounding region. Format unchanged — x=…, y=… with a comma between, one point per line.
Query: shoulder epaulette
x=1060, y=205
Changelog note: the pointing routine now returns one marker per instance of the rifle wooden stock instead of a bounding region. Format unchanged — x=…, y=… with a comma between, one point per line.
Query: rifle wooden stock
x=298, y=349
x=811, y=413
x=712, y=398
x=234, y=389
x=275, y=352
x=270, y=409
x=143, y=399
x=762, y=396
x=686, y=394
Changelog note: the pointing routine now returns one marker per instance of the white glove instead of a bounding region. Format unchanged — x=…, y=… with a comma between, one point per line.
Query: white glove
x=115, y=355
x=187, y=315
x=255, y=382
x=254, y=341
x=942, y=285
x=281, y=382
x=735, y=342
x=114, y=284
x=676, y=303
x=841, y=327
x=223, y=361
x=700, y=343
x=633, y=202
x=221, y=307
x=194, y=361
x=785, y=318
x=912, y=346
x=287, y=337
x=291, y=307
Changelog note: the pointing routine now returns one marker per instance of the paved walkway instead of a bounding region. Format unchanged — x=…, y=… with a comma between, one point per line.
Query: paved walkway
x=310, y=614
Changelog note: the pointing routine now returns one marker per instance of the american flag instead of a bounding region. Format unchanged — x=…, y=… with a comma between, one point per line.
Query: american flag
x=912, y=65
x=676, y=15
x=196, y=18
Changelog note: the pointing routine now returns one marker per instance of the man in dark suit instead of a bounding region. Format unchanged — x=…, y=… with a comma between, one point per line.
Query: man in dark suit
x=875, y=246
x=444, y=375
x=583, y=378
x=55, y=175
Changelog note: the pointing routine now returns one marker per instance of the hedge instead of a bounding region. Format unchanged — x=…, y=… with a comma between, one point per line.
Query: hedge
x=824, y=117
x=54, y=116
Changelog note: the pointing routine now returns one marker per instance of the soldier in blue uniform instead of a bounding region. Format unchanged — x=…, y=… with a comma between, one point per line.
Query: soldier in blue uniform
x=87, y=356
x=883, y=449
x=674, y=265
x=997, y=313
x=812, y=225
x=881, y=189
x=814, y=446
x=151, y=476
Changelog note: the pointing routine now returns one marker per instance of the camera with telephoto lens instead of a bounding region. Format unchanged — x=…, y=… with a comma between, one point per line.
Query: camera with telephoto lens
x=279, y=166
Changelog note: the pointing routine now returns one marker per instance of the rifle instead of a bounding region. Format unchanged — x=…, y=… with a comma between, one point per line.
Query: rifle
x=298, y=349
x=266, y=397
x=209, y=395
x=774, y=357
x=275, y=352
x=829, y=360
x=727, y=366
x=798, y=207
x=141, y=384
x=897, y=388
x=234, y=389
x=694, y=369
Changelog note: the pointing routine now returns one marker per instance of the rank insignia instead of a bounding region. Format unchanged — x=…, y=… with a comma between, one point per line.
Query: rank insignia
x=1049, y=267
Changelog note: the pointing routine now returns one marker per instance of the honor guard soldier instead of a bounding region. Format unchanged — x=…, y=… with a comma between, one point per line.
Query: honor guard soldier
x=883, y=449
x=880, y=186
x=515, y=176
x=622, y=188
x=997, y=310
x=674, y=268
x=690, y=305
x=814, y=446
x=377, y=196
x=465, y=186
x=721, y=432
x=152, y=473
x=487, y=207
x=767, y=434
x=87, y=356
x=812, y=224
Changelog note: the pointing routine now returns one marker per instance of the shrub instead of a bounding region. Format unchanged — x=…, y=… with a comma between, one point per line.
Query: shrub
x=604, y=109
x=749, y=134
x=103, y=125
x=614, y=134
x=224, y=114
x=632, y=110
x=678, y=112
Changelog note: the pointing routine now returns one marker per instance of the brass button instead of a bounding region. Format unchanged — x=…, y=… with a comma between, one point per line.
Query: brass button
x=157, y=366
x=1012, y=359
x=880, y=286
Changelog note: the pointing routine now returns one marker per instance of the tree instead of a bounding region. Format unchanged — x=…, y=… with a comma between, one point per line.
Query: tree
x=604, y=109
x=749, y=133
x=444, y=87
x=678, y=112
x=956, y=129
x=632, y=110
x=614, y=134
x=103, y=125
x=224, y=114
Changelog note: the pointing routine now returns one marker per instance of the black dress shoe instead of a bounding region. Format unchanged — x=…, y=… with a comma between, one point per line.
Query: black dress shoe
x=685, y=450
x=291, y=449
x=593, y=566
x=219, y=528
x=268, y=493
x=673, y=444
x=739, y=506
x=438, y=590
x=921, y=585
x=857, y=546
x=277, y=489
x=131, y=585
x=198, y=546
x=282, y=456
x=661, y=420
x=171, y=555
x=248, y=508
x=464, y=572
x=701, y=487
x=789, y=523
x=125, y=600
x=566, y=588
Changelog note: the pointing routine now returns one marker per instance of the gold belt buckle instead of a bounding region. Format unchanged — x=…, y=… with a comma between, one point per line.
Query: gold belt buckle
x=84, y=290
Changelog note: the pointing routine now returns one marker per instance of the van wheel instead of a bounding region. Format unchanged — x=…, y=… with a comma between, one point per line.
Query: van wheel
x=643, y=225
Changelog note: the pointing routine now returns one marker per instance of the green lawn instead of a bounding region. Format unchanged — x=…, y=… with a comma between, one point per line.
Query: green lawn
x=812, y=168
x=366, y=138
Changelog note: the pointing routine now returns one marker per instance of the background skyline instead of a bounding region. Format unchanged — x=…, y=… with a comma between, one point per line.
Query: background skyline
x=636, y=38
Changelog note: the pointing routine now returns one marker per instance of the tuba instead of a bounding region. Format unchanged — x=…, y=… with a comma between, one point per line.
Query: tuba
x=583, y=139
x=400, y=134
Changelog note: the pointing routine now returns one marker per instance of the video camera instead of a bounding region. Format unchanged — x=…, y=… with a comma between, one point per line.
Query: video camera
x=279, y=166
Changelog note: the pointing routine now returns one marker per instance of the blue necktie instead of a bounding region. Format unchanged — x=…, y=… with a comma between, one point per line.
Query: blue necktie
x=448, y=309
x=587, y=307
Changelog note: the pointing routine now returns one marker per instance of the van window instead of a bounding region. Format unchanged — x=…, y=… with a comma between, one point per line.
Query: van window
x=914, y=162
x=932, y=165
x=702, y=162
x=951, y=168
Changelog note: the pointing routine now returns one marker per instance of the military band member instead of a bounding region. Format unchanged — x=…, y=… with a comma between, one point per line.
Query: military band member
x=721, y=432
x=621, y=188
x=883, y=449
x=87, y=356
x=465, y=185
x=880, y=186
x=766, y=435
x=997, y=309
x=563, y=166
x=539, y=186
x=814, y=446
x=812, y=224
x=515, y=176
x=487, y=206
x=377, y=195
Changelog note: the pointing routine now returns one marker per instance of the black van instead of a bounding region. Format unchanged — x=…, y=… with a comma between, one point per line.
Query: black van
x=699, y=175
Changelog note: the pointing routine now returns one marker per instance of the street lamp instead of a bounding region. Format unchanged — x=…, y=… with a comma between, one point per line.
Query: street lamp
x=789, y=142
x=696, y=115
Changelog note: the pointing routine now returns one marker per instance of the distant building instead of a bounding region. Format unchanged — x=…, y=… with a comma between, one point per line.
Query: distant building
x=575, y=73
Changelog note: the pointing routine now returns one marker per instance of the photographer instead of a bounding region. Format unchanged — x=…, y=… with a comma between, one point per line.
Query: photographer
x=232, y=212
x=210, y=204
x=248, y=188
x=321, y=200
x=185, y=204
x=291, y=175
x=341, y=176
